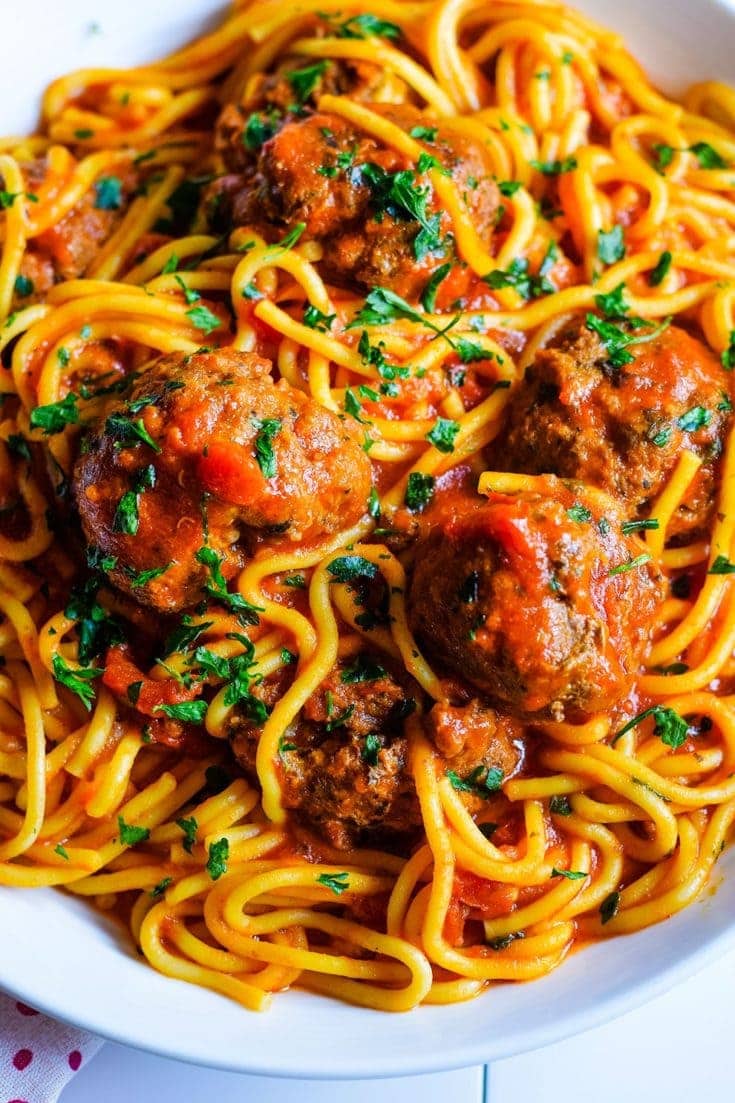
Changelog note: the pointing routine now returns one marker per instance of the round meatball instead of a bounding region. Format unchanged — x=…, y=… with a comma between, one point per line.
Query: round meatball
x=344, y=762
x=207, y=449
x=269, y=97
x=67, y=248
x=539, y=599
x=375, y=210
x=622, y=428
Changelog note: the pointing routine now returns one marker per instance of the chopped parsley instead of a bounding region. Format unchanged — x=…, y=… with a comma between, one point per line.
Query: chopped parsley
x=555, y=168
x=579, y=513
x=127, y=431
x=383, y=306
x=669, y=726
x=268, y=428
x=132, y=692
x=76, y=679
x=363, y=668
x=708, y=156
x=419, y=491
x=609, y=907
x=336, y=882
x=190, y=295
x=259, y=128
x=428, y=296
x=617, y=340
x=728, y=356
x=658, y=274
x=696, y=418
x=189, y=712
x=427, y=162
x=517, y=276
x=130, y=835
x=349, y=568
x=54, y=417
x=62, y=852
x=126, y=518
x=424, y=133
x=304, y=81
x=659, y=434
x=503, y=941
x=158, y=890
x=189, y=827
x=367, y=26
x=560, y=806
x=353, y=406
x=631, y=565
x=399, y=195
x=108, y=193
x=663, y=155
x=185, y=635
x=202, y=318
x=722, y=565
x=508, y=188
x=290, y=239
x=610, y=245
x=23, y=286
x=142, y=578
x=638, y=526
x=613, y=304
x=314, y=319
x=483, y=781
x=443, y=434
x=570, y=874
x=341, y=719
x=216, y=588
x=371, y=748
x=96, y=628
x=219, y=852
x=470, y=351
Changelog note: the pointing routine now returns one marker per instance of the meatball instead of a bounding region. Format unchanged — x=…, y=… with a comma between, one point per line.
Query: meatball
x=344, y=762
x=622, y=429
x=208, y=449
x=65, y=251
x=538, y=599
x=270, y=96
x=374, y=210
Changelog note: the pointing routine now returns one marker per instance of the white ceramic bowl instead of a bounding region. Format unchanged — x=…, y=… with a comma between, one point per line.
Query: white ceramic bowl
x=64, y=959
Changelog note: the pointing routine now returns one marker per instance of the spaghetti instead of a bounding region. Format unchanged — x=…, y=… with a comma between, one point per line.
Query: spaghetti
x=414, y=217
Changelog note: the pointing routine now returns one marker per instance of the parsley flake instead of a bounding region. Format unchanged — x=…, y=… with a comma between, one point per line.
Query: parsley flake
x=336, y=882
x=219, y=852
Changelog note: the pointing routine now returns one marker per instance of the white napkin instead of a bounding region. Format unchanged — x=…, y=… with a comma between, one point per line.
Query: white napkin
x=38, y=1056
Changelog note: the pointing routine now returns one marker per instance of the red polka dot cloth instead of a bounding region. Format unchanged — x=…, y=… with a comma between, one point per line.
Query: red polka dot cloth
x=38, y=1056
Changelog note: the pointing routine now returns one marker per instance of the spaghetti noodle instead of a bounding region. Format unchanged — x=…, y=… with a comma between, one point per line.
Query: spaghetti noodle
x=443, y=235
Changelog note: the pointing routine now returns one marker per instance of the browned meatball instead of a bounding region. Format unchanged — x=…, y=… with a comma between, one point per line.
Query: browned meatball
x=622, y=429
x=538, y=599
x=65, y=251
x=208, y=449
x=269, y=97
x=374, y=209
x=344, y=763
